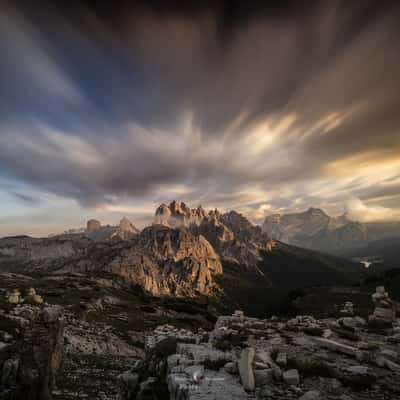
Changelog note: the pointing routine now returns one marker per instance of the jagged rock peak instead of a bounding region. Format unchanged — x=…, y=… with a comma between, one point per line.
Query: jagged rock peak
x=166, y=261
x=316, y=211
x=178, y=214
x=126, y=225
x=236, y=221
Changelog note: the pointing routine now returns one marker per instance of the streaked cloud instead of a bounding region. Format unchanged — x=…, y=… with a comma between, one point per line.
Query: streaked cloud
x=271, y=112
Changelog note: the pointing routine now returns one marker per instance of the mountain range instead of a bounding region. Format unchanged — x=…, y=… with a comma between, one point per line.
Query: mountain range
x=314, y=229
x=185, y=252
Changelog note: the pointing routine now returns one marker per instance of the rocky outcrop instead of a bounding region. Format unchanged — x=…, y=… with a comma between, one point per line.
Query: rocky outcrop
x=266, y=359
x=31, y=340
x=178, y=215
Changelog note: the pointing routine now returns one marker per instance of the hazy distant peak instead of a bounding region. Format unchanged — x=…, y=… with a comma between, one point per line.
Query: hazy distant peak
x=93, y=225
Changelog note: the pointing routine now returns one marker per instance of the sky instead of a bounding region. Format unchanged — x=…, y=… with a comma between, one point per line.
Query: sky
x=111, y=108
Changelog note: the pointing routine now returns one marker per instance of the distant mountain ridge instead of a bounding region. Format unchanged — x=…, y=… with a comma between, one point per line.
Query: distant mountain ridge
x=314, y=229
x=125, y=230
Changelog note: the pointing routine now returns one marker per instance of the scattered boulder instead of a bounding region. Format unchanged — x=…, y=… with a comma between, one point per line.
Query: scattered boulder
x=291, y=377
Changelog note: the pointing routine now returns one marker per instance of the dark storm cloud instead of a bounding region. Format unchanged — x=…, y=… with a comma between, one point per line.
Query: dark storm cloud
x=232, y=103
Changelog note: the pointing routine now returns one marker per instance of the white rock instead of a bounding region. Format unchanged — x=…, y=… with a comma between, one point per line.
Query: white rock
x=246, y=369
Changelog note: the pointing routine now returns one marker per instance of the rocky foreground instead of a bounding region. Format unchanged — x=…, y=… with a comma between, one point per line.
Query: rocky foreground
x=344, y=358
x=249, y=358
x=31, y=348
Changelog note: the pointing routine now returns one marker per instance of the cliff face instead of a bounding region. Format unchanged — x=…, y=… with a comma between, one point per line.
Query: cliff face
x=31, y=355
x=22, y=252
x=168, y=261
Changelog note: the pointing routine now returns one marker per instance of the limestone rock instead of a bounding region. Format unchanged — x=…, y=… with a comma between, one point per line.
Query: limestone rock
x=246, y=369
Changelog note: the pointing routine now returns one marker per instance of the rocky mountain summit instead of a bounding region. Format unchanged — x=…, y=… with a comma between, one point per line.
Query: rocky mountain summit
x=234, y=237
x=160, y=260
x=314, y=229
x=125, y=230
x=247, y=358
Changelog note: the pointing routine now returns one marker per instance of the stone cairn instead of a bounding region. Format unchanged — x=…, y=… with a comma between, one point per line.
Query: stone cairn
x=348, y=309
x=385, y=310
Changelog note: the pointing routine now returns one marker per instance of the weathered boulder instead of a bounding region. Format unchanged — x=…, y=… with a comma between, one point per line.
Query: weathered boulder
x=291, y=377
x=246, y=369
